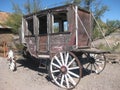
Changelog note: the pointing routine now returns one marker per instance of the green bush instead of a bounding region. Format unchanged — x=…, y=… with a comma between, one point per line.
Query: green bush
x=14, y=21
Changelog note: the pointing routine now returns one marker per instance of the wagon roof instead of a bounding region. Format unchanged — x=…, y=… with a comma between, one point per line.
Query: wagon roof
x=64, y=7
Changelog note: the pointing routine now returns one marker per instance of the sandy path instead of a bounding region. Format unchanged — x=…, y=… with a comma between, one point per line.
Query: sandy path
x=28, y=79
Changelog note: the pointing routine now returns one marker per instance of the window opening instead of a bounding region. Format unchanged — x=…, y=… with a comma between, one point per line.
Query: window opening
x=65, y=26
x=56, y=27
x=60, y=22
x=30, y=26
x=43, y=25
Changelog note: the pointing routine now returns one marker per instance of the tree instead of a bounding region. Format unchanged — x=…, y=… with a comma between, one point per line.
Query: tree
x=16, y=8
x=27, y=7
x=77, y=2
x=112, y=25
x=87, y=4
x=36, y=5
x=15, y=18
x=32, y=7
x=14, y=21
x=99, y=10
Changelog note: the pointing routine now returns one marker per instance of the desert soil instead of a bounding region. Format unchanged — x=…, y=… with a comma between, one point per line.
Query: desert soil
x=29, y=77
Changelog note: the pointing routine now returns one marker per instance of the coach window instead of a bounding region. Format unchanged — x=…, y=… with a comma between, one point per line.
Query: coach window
x=42, y=24
x=30, y=26
x=60, y=22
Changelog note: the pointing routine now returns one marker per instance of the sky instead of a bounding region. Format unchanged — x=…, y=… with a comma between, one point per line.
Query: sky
x=112, y=14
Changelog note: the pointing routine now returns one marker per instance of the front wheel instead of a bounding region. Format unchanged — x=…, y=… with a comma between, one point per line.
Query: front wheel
x=65, y=69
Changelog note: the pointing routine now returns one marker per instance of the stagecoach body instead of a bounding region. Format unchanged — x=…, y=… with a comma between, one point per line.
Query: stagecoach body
x=61, y=34
x=41, y=36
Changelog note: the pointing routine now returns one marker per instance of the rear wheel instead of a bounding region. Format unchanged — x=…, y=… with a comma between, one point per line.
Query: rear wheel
x=94, y=62
x=65, y=70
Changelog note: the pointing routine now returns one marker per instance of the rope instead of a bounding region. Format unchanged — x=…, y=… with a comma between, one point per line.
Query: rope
x=101, y=31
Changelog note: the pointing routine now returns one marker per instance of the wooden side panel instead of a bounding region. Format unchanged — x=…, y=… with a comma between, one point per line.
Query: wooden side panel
x=43, y=43
x=31, y=44
x=84, y=29
x=71, y=25
x=59, y=42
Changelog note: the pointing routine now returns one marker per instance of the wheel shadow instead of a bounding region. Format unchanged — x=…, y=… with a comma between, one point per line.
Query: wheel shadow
x=85, y=71
x=31, y=63
x=34, y=63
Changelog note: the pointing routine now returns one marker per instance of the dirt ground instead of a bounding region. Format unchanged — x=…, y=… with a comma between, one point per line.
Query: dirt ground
x=29, y=77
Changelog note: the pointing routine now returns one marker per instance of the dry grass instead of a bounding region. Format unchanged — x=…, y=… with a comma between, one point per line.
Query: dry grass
x=8, y=38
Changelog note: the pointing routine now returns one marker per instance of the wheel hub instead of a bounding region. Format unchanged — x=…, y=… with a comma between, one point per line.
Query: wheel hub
x=91, y=60
x=63, y=69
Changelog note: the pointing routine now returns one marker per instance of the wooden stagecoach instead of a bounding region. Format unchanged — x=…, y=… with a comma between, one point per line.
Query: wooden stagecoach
x=62, y=36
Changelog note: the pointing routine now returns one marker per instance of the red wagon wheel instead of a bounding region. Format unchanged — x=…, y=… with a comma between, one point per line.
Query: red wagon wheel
x=65, y=70
x=94, y=62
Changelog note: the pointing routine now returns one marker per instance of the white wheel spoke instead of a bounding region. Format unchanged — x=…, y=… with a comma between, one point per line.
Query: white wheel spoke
x=72, y=68
x=96, y=71
x=97, y=59
x=66, y=59
x=95, y=56
x=58, y=60
x=61, y=55
x=100, y=68
x=57, y=77
x=92, y=55
x=62, y=80
x=73, y=74
x=103, y=62
x=71, y=62
x=100, y=62
x=55, y=65
x=71, y=79
x=67, y=82
x=97, y=64
x=55, y=71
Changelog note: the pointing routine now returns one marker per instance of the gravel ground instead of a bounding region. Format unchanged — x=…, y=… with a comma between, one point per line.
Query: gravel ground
x=27, y=77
